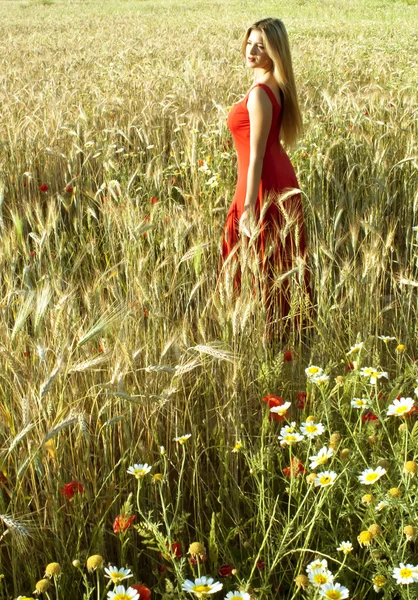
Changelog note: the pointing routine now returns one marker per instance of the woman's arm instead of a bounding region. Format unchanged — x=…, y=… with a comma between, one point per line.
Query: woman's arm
x=260, y=112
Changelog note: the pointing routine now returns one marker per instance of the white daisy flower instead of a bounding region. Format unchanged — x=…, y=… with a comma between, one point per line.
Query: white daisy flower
x=237, y=596
x=117, y=575
x=345, y=547
x=334, y=591
x=320, y=379
x=386, y=338
x=369, y=476
x=182, y=439
x=313, y=370
x=377, y=375
x=360, y=403
x=321, y=458
x=139, y=470
x=373, y=374
x=400, y=407
x=290, y=438
x=356, y=348
x=202, y=586
x=119, y=593
x=288, y=428
x=319, y=577
x=382, y=505
x=405, y=574
x=281, y=410
x=317, y=564
x=366, y=371
x=311, y=429
x=325, y=478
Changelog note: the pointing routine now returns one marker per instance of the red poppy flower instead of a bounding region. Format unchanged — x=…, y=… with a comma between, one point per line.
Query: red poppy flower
x=145, y=312
x=25, y=183
x=350, y=366
x=200, y=163
x=175, y=550
x=44, y=188
x=288, y=355
x=409, y=414
x=143, y=591
x=69, y=489
x=225, y=570
x=69, y=189
x=271, y=400
x=153, y=200
x=301, y=400
x=260, y=564
x=295, y=469
x=369, y=416
x=161, y=569
x=32, y=253
x=122, y=523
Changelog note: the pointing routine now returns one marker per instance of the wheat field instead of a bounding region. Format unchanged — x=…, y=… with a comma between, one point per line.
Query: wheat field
x=118, y=333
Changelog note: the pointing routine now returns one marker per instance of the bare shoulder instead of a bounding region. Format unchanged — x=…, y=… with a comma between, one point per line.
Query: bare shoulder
x=258, y=100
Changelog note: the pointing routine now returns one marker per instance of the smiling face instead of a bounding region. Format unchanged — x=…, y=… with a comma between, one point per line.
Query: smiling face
x=255, y=52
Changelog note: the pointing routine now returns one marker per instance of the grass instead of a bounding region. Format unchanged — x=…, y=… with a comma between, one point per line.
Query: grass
x=116, y=335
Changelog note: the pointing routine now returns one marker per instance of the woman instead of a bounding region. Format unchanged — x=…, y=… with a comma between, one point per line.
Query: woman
x=267, y=184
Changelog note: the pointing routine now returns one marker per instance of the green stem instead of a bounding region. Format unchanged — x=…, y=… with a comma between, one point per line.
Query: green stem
x=179, y=483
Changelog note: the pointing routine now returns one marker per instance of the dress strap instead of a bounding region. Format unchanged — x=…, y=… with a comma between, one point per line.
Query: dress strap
x=269, y=91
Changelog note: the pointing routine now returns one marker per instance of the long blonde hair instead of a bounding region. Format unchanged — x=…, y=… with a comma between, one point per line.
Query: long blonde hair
x=277, y=47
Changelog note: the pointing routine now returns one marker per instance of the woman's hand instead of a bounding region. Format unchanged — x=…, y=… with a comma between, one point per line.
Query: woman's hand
x=247, y=221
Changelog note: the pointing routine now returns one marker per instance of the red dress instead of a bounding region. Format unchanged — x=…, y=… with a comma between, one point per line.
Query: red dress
x=282, y=238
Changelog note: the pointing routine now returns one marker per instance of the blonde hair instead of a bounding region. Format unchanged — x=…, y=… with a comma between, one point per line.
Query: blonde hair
x=277, y=47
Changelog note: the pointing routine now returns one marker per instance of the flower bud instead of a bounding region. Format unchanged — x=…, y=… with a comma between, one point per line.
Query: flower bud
x=345, y=453
x=52, y=570
x=301, y=581
x=410, y=532
x=367, y=498
x=375, y=530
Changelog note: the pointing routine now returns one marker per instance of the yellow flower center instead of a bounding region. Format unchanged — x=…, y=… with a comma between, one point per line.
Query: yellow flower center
x=401, y=409
x=311, y=428
x=372, y=477
x=291, y=438
x=202, y=589
x=117, y=577
x=320, y=578
x=325, y=480
x=405, y=573
x=313, y=370
x=333, y=594
x=122, y=597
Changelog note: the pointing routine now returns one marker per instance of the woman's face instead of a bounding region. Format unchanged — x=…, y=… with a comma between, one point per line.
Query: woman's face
x=255, y=53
